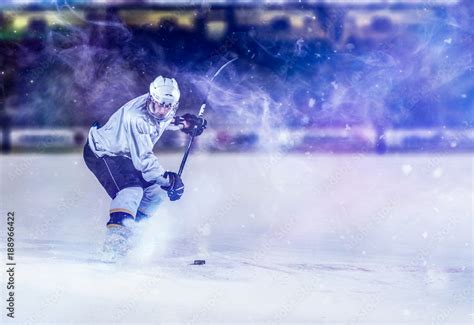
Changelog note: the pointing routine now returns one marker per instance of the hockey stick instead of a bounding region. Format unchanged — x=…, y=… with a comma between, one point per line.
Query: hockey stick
x=200, y=114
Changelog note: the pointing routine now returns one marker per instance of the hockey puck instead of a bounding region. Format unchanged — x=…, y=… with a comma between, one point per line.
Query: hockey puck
x=199, y=262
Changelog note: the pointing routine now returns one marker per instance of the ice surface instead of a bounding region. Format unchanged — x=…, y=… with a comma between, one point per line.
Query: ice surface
x=286, y=238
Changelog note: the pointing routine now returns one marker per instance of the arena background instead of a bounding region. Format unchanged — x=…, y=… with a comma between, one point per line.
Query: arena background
x=333, y=76
x=334, y=183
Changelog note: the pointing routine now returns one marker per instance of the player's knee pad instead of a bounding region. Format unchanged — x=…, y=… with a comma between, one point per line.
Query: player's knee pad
x=152, y=197
x=153, y=193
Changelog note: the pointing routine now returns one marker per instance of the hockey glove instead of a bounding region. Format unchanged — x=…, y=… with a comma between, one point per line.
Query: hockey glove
x=175, y=188
x=192, y=124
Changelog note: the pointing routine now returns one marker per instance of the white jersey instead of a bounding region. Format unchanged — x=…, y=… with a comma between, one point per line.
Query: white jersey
x=132, y=132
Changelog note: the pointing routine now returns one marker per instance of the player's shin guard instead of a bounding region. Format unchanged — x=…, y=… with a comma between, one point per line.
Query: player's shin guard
x=124, y=206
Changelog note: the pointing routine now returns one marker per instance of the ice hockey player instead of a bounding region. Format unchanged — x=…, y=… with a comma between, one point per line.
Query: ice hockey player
x=120, y=154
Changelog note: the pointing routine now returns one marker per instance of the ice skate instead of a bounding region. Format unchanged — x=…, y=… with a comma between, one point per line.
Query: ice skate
x=117, y=244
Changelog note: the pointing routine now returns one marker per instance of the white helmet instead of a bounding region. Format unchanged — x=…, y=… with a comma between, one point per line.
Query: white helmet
x=164, y=93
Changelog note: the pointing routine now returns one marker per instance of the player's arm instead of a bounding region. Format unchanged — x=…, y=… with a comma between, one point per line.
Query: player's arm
x=141, y=152
x=144, y=160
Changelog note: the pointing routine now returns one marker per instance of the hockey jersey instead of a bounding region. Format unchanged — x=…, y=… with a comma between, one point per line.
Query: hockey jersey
x=132, y=132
